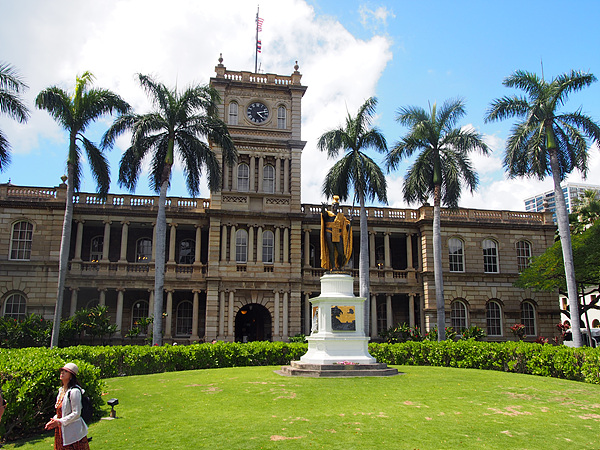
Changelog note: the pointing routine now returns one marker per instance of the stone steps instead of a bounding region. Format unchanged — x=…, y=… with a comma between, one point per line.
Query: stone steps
x=298, y=369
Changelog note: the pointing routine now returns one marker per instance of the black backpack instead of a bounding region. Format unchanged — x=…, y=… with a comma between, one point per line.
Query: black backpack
x=87, y=409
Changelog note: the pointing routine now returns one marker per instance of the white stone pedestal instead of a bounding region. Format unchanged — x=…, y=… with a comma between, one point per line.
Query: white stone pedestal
x=337, y=325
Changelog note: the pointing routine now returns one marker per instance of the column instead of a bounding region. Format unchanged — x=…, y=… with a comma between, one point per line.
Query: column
x=286, y=245
x=151, y=303
x=372, y=249
x=106, y=241
x=74, y=292
x=224, y=243
x=259, y=245
x=386, y=249
x=261, y=165
x=277, y=176
x=172, y=242
x=285, y=315
x=225, y=177
x=119, y=319
x=389, y=315
x=250, y=244
x=276, y=317
x=195, y=310
x=153, y=242
x=169, y=319
x=124, y=235
x=252, y=178
x=232, y=244
x=373, y=332
x=198, y=247
x=307, y=314
x=420, y=254
x=306, y=247
x=409, y=254
x=286, y=175
x=221, y=315
x=411, y=310
x=230, y=329
x=102, y=297
x=277, y=255
x=234, y=178
x=78, y=240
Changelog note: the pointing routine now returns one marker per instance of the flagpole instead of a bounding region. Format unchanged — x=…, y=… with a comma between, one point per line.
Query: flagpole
x=256, y=43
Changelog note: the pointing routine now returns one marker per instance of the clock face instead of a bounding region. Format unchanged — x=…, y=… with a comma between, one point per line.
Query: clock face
x=257, y=112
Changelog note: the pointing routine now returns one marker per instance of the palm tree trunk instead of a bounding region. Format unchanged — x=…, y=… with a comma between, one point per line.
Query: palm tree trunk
x=159, y=263
x=63, y=259
x=562, y=219
x=363, y=263
x=437, y=265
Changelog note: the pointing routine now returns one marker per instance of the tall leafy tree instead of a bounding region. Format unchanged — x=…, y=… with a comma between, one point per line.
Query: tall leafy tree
x=75, y=112
x=11, y=86
x=357, y=172
x=545, y=141
x=586, y=211
x=441, y=170
x=174, y=129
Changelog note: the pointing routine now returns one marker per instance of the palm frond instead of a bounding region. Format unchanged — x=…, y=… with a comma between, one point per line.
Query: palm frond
x=98, y=165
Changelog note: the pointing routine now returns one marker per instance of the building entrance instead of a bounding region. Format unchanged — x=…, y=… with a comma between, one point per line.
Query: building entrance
x=253, y=323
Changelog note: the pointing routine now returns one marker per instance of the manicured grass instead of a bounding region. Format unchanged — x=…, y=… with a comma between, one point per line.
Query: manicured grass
x=425, y=408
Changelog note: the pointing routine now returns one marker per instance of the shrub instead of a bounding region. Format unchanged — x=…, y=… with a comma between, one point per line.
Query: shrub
x=401, y=333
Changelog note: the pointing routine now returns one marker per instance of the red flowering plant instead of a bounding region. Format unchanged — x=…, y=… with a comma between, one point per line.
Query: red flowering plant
x=518, y=330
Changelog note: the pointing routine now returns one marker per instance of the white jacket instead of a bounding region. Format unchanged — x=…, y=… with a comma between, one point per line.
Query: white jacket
x=72, y=425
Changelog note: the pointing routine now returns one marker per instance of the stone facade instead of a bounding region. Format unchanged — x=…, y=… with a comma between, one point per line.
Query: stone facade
x=243, y=264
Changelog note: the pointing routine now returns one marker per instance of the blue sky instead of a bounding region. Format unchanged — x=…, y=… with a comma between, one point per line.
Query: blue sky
x=403, y=52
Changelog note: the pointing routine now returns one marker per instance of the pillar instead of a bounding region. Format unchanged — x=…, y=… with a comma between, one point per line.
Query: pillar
x=232, y=244
x=277, y=175
x=252, y=178
x=230, y=329
x=259, y=245
x=224, y=243
x=286, y=245
x=372, y=249
x=386, y=247
x=286, y=175
x=373, y=332
x=198, y=246
x=78, y=240
x=221, y=334
x=250, y=257
x=285, y=315
x=119, y=319
x=153, y=243
x=234, y=178
x=102, y=297
x=261, y=165
x=389, y=315
x=195, y=310
x=411, y=310
x=409, y=254
x=106, y=241
x=74, y=292
x=307, y=314
x=276, y=334
x=169, y=319
x=124, y=236
x=225, y=177
x=277, y=256
x=172, y=242
x=306, y=247
x=151, y=303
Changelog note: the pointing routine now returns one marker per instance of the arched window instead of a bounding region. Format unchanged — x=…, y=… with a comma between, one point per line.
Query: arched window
x=15, y=306
x=523, y=255
x=490, y=256
x=493, y=317
x=456, y=255
x=140, y=310
x=187, y=251
x=243, y=177
x=233, y=113
x=281, y=118
x=268, y=246
x=458, y=315
x=269, y=179
x=595, y=323
x=241, y=246
x=92, y=303
x=22, y=238
x=184, y=319
x=528, y=318
x=96, y=248
x=143, y=250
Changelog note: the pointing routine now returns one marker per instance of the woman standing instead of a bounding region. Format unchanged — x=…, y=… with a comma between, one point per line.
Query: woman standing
x=70, y=431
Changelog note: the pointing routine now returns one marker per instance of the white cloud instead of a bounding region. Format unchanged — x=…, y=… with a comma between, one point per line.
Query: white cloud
x=374, y=19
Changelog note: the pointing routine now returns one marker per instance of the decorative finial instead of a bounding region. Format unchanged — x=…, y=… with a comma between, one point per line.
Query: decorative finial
x=64, y=178
x=296, y=66
x=220, y=58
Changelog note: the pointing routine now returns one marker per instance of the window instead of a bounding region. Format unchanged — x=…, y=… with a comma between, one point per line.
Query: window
x=187, y=251
x=243, y=177
x=184, y=319
x=528, y=318
x=96, y=248
x=493, y=317
x=595, y=323
x=490, y=256
x=241, y=246
x=455, y=251
x=143, y=249
x=268, y=246
x=458, y=316
x=269, y=179
x=523, y=255
x=233, y=113
x=139, y=311
x=281, y=118
x=15, y=306
x=22, y=237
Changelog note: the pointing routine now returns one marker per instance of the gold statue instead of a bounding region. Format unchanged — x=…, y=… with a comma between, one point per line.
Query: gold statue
x=336, y=237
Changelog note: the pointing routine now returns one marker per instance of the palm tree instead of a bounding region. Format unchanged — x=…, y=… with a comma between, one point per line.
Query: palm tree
x=74, y=113
x=440, y=171
x=357, y=171
x=545, y=141
x=175, y=127
x=586, y=211
x=11, y=85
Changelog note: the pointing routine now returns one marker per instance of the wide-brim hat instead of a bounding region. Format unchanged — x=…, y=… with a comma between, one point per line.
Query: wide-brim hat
x=71, y=368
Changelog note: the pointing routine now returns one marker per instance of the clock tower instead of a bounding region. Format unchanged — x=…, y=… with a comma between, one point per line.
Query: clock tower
x=254, y=269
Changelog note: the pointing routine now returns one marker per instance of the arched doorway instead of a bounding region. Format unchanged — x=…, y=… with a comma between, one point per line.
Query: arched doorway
x=253, y=323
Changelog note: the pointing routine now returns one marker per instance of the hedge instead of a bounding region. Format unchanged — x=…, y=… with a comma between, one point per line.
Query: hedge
x=29, y=377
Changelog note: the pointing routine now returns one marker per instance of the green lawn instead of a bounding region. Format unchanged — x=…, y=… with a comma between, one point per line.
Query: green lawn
x=425, y=408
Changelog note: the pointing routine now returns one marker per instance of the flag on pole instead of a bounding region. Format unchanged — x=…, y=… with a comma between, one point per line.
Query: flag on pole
x=258, y=46
x=259, y=23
